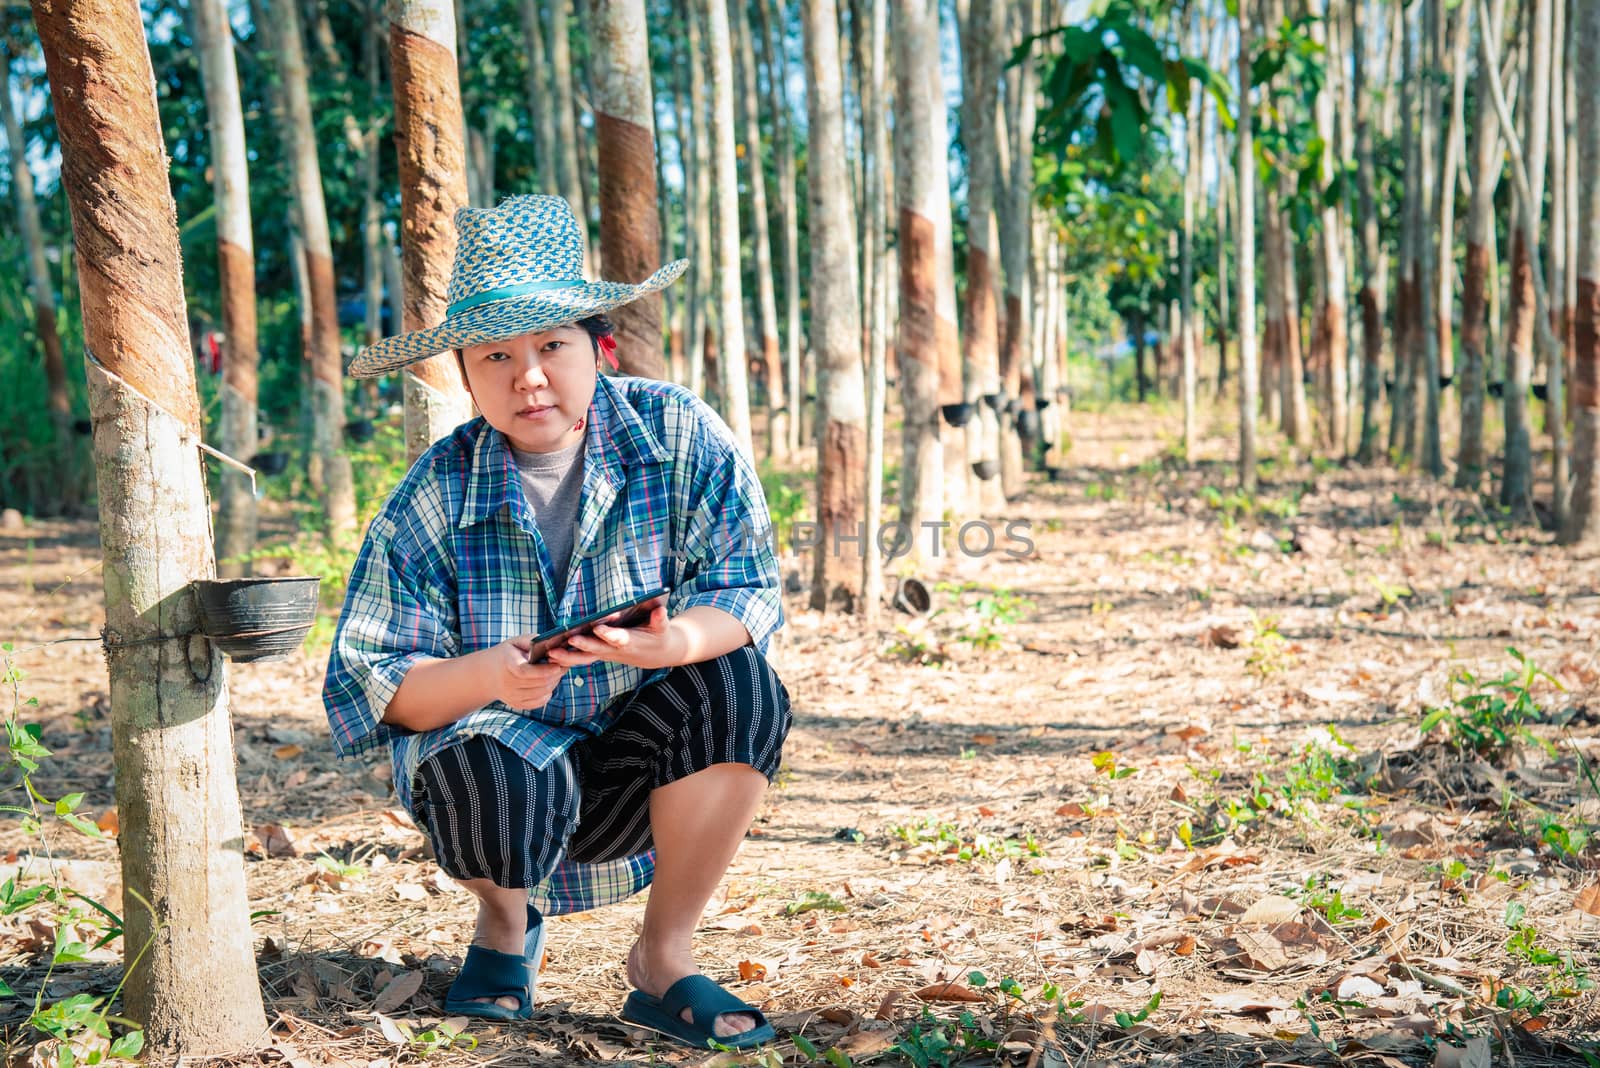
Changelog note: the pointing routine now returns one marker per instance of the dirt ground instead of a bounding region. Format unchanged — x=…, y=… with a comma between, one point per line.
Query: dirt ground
x=1155, y=793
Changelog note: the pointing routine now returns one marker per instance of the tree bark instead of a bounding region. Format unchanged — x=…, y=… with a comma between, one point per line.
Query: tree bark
x=1403, y=423
x=1426, y=245
x=430, y=142
x=565, y=107
x=1374, y=259
x=1016, y=222
x=981, y=56
x=1516, y=487
x=771, y=361
x=732, y=378
x=40, y=290
x=835, y=324
x=213, y=36
x=630, y=227
x=783, y=139
x=1244, y=174
x=540, y=93
x=1445, y=275
x=371, y=206
x=1192, y=163
x=703, y=311
x=1555, y=271
x=1583, y=519
x=928, y=332
x=1333, y=343
x=877, y=135
x=194, y=989
x=1224, y=222
x=1471, y=457
x=330, y=468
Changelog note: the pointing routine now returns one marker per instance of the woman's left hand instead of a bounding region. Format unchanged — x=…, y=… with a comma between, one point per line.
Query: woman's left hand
x=653, y=644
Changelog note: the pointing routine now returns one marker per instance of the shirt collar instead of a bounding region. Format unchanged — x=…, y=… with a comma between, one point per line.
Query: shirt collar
x=618, y=439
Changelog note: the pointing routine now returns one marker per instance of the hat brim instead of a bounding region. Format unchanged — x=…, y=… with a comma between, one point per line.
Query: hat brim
x=506, y=319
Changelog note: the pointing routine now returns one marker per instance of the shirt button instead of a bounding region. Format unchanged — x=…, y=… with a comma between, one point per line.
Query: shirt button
x=578, y=680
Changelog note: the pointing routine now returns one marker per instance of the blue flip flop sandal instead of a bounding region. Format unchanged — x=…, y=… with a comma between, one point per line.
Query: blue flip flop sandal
x=488, y=973
x=705, y=1001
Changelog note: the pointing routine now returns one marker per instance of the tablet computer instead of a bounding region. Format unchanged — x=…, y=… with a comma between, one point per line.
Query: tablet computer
x=630, y=613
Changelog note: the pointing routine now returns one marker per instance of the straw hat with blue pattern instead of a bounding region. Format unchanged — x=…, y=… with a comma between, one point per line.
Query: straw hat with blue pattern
x=518, y=270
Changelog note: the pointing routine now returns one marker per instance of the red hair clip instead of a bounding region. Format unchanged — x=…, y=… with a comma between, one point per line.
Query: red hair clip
x=608, y=348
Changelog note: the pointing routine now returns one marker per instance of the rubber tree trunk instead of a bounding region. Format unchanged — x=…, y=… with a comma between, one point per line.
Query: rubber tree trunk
x=1224, y=226
x=1450, y=168
x=236, y=269
x=1374, y=260
x=1555, y=271
x=1583, y=519
x=1471, y=456
x=540, y=93
x=429, y=136
x=330, y=468
x=702, y=314
x=1016, y=230
x=927, y=281
x=835, y=322
x=789, y=215
x=194, y=987
x=732, y=377
x=1244, y=173
x=1276, y=333
x=1193, y=158
x=981, y=59
x=565, y=107
x=630, y=227
x=371, y=205
x=1333, y=342
x=756, y=182
x=1426, y=244
x=1516, y=488
x=1403, y=396
x=876, y=133
x=40, y=290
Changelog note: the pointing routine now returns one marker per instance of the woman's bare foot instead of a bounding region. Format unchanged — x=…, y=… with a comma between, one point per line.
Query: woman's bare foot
x=502, y=926
x=654, y=971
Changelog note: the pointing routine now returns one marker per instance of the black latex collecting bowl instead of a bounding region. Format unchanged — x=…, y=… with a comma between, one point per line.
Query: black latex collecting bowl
x=257, y=618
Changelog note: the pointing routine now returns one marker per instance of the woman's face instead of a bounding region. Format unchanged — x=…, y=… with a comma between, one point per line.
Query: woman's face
x=534, y=389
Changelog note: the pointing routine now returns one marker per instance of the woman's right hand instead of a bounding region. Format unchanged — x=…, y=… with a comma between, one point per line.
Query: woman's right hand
x=518, y=683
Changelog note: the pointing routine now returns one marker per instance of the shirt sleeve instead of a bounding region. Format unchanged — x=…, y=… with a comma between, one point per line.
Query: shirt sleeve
x=728, y=543
x=399, y=608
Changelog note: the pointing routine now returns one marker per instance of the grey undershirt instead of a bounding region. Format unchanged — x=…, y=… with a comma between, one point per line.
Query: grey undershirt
x=553, y=485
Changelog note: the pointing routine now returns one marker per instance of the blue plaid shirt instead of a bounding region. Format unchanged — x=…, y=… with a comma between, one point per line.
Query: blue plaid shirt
x=454, y=563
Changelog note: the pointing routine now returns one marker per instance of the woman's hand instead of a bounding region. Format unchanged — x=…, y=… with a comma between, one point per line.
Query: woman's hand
x=653, y=644
x=515, y=681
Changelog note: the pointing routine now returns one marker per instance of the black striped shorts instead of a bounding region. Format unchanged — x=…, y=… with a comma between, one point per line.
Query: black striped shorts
x=492, y=815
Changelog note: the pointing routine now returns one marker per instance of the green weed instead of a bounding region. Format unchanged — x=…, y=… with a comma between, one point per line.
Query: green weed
x=1492, y=714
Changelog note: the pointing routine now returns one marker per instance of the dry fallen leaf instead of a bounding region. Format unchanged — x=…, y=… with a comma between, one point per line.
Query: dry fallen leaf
x=750, y=970
x=1262, y=951
x=1272, y=909
x=1474, y=1055
x=109, y=823
x=1588, y=899
x=410, y=892
x=275, y=840
x=288, y=752
x=947, y=992
x=401, y=989
x=1358, y=987
x=1244, y=1002
x=394, y=1030
x=886, y=1006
